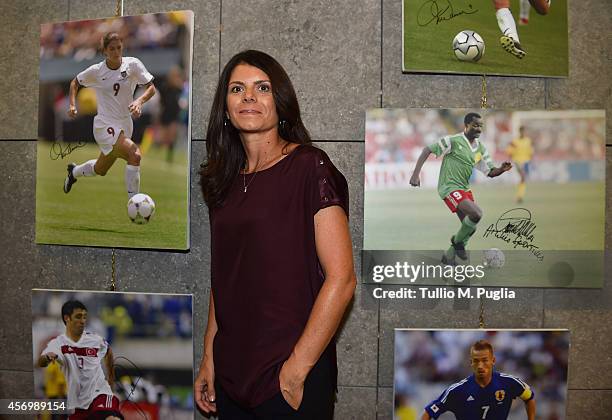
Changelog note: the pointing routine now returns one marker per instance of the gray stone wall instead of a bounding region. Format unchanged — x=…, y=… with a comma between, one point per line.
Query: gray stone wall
x=344, y=57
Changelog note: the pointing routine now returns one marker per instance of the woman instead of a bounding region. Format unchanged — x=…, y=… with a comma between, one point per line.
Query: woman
x=114, y=81
x=281, y=259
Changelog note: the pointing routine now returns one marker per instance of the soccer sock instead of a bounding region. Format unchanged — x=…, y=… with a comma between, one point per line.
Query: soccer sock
x=506, y=23
x=524, y=11
x=520, y=192
x=132, y=180
x=450, y=253
x=465, y=231
x=84, y=169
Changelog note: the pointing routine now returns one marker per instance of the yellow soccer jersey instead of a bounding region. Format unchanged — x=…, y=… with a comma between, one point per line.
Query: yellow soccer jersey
x=520, y=150
x=55, y=382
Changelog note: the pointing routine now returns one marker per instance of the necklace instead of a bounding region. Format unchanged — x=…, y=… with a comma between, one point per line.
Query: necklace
x=246, y=185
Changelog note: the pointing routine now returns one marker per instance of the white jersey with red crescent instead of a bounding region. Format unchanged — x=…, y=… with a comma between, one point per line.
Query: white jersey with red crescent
x=81, y=363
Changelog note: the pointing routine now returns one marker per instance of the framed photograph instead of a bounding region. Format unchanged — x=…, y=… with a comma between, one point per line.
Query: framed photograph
x=480, y=374
x=130, y=353
x=494, y=37
x=114, y=132
x=517, y=195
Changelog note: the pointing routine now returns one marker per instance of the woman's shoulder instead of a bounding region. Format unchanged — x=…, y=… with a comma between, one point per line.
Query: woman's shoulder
x=96, y=66
x=329, y=184
x=132, y=61
x=309, y=154
x=311, y=159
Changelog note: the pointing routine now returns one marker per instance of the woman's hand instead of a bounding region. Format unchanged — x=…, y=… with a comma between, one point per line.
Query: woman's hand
x=204, y=387
x=291, y=380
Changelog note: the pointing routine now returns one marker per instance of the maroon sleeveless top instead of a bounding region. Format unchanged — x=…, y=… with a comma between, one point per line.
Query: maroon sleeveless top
x=265, y=272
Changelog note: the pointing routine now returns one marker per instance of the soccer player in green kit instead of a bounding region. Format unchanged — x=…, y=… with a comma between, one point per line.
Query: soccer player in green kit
x=461, y=153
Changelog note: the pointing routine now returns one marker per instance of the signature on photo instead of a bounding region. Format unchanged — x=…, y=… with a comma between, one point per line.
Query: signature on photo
x=516, y=227
x=440, y=11
x=61, y=150
x=128, y=389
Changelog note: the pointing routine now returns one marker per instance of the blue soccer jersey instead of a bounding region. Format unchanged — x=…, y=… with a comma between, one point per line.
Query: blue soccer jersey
x=469, y=401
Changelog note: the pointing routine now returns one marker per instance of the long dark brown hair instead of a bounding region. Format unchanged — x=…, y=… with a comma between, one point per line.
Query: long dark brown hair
x=225, y=154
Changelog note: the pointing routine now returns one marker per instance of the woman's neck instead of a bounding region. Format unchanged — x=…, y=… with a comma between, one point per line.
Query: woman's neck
x=262, y=149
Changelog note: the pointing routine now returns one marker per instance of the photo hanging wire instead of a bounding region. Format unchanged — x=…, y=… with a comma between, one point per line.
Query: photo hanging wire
x=483, y=98
x=119, y=8
x=481, y=321
x=483, y=105
x=113, y=286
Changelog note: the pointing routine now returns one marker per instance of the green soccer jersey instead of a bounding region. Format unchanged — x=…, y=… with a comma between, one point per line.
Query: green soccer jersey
x=459, y=159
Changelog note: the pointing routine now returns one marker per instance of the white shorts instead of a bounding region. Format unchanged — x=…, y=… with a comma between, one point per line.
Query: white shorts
x=106, y=131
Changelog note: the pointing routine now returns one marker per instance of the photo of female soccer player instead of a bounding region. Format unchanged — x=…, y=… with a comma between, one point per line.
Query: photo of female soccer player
x=115, y=89
x=114, y=80
x=521, y=193
x=480, y=374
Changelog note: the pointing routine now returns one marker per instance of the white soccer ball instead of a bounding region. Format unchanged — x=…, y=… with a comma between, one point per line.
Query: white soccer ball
x=468, y=46
x=140, y=208
x=493, y=258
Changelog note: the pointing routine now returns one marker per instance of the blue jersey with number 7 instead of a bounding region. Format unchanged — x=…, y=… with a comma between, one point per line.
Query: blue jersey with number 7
x=469, y=401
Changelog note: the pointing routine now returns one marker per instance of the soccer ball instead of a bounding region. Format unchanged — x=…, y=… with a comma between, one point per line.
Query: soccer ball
x=140, y=208
x=493, y=258
x=468, y=46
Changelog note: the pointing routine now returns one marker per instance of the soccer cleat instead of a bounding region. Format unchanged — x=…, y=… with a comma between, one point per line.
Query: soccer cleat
x=448, y=261
x=70, y=179
x=523, y=21
x=512, y=46
x=459, y=249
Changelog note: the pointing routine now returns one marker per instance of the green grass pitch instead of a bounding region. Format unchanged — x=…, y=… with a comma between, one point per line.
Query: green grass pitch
x=94, y=213
x=569, y=230
x=429, y=48
x=567, y=216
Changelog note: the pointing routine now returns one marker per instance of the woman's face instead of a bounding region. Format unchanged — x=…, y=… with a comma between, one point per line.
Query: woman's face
x=113, y=50
x=250, y=103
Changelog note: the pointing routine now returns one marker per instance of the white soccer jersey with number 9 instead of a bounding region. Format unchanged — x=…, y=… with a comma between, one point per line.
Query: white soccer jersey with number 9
x=81, y=363
x=115, y=88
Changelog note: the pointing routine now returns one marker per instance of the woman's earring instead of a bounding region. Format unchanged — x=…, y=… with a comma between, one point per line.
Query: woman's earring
x=282, y=124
